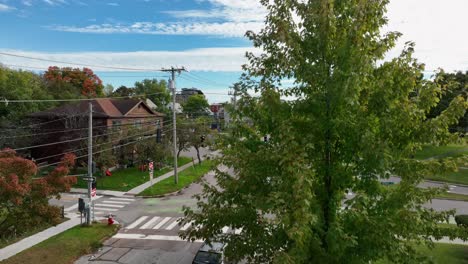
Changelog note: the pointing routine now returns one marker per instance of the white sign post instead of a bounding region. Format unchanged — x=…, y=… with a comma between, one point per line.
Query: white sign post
x=151, y=170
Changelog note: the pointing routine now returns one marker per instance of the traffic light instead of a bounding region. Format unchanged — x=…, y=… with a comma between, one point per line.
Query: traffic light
x=81, y=205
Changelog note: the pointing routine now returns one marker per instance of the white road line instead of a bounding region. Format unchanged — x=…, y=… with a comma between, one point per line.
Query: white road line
x=137, y=222
x=150, y=223
x=187, y=225
x=98, y=212
x=151, y=237
x=225, y=229
x=105, y=209
x=110, y=205
x=173, y=224
x=122, y=199
x=162, y=223
x=73, y=207
x=115, y=202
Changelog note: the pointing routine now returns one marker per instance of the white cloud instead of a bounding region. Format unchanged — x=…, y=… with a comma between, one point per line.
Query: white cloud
x=226, y=29
x=55, y=2
x=4, y=8
x=437, y=27
x=234, y=19
x=27, y=2
x=207, y=59
x=113, y=4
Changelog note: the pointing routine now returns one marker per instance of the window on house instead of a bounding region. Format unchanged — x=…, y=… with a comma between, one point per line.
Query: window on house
x=116, y=124
x=137, y=123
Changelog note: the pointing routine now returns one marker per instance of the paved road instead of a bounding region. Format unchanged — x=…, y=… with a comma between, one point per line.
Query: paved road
x=150, y=232
x=453, y=187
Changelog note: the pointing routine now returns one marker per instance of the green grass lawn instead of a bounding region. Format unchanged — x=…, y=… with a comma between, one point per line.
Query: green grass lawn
x=186, y=177
x=441, y=151
x=438, y=152
x=454, y=196
x=66, y=247
x=443, y=253
x=127, y=179
x=9, y=241
x=460, y=176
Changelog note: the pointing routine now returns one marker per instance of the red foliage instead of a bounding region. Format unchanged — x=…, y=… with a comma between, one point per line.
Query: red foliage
x=85, y=79
x=18, y=183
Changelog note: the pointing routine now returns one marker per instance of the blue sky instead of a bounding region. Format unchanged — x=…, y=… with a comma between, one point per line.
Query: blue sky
x=206, y=36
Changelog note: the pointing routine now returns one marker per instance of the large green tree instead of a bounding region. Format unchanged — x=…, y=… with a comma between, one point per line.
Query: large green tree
x=354, y=121
x=452, y=85
x=196, y=106
x=156, y=91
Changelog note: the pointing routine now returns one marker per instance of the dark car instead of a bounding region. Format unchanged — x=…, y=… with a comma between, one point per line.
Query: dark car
x=210, y=253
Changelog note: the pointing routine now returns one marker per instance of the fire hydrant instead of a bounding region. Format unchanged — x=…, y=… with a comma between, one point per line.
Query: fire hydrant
x=110, y=219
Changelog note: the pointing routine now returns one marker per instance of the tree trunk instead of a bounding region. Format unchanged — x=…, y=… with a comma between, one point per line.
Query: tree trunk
x=198, y=154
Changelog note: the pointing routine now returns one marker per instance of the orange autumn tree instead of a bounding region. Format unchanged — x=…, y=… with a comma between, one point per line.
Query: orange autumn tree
x=88, y=83
x=24, y=197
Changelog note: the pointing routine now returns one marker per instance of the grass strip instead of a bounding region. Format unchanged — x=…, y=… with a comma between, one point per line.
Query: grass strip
x=186, y=177
x=65, y=247
x=129, y=178
x=6, y=242
x=453, y=196
x=442, y=253
x=451, y=150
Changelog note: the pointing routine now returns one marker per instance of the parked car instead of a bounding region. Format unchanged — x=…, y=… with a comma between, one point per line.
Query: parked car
x=210, y=253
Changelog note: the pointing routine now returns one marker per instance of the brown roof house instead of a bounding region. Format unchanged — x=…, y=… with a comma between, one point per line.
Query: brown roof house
x=112, y=119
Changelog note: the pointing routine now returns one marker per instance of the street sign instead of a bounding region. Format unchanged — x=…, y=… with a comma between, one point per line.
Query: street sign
x=88, y=179
x=151, y=166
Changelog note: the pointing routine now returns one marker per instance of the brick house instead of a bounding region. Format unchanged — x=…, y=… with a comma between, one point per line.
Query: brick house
x=70, y=122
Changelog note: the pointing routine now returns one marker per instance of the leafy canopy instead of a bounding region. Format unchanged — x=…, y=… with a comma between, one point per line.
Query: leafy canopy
x=353, y=121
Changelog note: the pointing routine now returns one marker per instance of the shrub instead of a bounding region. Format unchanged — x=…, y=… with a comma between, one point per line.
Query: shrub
x=462, y=220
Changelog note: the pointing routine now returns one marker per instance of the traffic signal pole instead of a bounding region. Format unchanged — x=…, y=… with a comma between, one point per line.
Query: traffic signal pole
x=90, y=163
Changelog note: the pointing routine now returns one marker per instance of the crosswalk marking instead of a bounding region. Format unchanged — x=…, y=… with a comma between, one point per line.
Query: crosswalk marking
x=160, y=224
x=122, y=199
x=115, y=202
x=111, y=205
x=151, y=237
x=173, y=224
x=150, y=222
x=137, y=222
x=105, y=209
x=187, y=225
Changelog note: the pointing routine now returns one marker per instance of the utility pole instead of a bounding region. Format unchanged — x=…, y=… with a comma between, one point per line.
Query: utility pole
x=90, y=162
x=174, y=126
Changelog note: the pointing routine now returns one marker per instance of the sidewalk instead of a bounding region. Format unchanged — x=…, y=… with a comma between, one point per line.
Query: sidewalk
x=144, y=186
x=35, y=239
x=98, y=192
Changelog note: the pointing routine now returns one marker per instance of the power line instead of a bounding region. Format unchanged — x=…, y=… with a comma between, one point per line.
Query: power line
x=7, y=101
x=195, y=76
x=65, y=141
x=78, y=64
x=78, y=129
x=114, y=147
x=112, y=141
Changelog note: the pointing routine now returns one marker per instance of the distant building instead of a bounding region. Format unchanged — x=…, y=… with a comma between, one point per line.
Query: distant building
x=183, y=96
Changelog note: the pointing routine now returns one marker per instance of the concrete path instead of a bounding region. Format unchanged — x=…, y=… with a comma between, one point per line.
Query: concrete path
x=35, y=239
